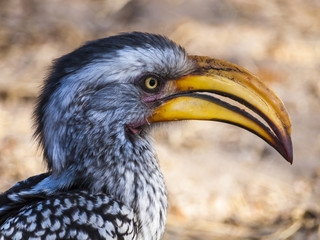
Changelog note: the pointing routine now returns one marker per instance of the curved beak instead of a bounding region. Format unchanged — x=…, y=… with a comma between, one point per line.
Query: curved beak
x=244, y=100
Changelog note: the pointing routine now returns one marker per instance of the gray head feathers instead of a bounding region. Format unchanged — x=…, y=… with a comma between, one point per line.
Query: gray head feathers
x=91, y=94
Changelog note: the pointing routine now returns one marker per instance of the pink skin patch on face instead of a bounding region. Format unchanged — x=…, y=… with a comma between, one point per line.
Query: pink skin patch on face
x=148, y=99
x=136, y=128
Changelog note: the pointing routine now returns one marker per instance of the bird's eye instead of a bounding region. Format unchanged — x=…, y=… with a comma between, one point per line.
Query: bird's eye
x=151, y=84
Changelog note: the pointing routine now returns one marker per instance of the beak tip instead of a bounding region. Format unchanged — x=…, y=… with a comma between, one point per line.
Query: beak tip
x=288, y=150
x=290, y=157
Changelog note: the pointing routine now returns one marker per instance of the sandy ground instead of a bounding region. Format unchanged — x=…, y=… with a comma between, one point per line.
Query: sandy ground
x=223, y=182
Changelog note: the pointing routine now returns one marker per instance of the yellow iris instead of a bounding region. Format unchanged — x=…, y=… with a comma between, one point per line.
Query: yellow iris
x=151, y=83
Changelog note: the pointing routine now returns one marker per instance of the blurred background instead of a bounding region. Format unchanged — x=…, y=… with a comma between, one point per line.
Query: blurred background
x=223, y=182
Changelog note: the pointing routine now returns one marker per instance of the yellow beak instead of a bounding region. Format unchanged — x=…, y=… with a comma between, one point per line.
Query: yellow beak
x=257, y=109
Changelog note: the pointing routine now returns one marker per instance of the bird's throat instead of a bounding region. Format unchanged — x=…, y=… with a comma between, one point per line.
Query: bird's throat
x=137, y=181
x=131, y=175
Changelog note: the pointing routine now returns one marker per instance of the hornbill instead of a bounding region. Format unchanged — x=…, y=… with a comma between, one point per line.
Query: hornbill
x=93, y=119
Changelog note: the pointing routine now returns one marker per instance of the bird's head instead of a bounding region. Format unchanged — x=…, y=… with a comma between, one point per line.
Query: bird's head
x=109, y=91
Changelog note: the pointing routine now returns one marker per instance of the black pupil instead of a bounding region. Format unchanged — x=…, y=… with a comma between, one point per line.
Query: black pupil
x=152, y=82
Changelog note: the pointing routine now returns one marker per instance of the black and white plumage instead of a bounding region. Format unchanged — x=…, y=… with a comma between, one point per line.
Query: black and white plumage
x=92, y=121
